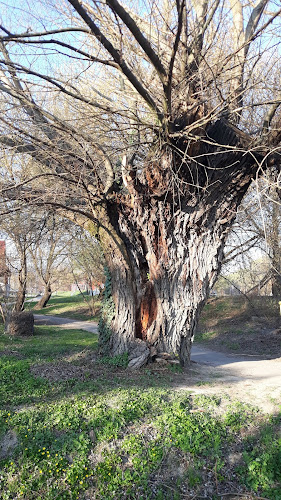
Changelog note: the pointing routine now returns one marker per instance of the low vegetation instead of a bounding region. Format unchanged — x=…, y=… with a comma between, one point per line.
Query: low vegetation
x=71, y=305
x=235, y=324
x=73, y=426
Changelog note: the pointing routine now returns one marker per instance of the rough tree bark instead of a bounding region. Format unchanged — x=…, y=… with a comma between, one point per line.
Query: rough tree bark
x=170, y=249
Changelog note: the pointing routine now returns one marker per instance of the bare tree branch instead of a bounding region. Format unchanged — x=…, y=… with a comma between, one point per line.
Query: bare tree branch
x=143, y=42
x=116, y=56
x=54, y=41
x=32, y=107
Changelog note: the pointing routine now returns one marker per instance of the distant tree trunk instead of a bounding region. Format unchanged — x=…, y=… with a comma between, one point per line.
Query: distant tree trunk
x=45, y=297
x=276, y=286
x=19, y=306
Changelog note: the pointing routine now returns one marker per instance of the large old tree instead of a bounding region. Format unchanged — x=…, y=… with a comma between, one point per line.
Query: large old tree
x=146, y=121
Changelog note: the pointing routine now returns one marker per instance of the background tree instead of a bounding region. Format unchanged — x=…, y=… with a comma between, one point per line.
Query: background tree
x=86, y=260
x=49, y=254
x=87, y=264
x=23, y=230
x=255, y=236
x=156, y=155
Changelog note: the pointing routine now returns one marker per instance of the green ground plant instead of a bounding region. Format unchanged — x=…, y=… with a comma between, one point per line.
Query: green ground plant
x=82, y=428
x=121, y=360
x=262, y=459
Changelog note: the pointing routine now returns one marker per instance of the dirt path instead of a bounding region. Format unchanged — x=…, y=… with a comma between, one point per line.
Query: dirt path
x=245, y=378
x=252, y=380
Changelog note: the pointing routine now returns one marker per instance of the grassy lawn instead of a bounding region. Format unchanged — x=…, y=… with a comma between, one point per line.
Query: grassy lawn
x=73, y=426
x=69, y=305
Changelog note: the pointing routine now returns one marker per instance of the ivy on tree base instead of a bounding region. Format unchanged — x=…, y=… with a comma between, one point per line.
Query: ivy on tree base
x=107, y=316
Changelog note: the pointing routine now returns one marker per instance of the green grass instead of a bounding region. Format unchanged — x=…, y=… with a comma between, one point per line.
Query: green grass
x=49, y=343
x=261, y=469
x=204, y=336
x=69, y=305
x=114, y=434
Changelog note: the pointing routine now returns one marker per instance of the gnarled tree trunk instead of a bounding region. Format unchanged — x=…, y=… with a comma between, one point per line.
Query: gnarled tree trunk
x=159, y=296
x=171, y=257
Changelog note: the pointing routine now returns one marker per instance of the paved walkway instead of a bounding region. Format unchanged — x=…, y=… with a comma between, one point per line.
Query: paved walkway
x=206, y=356
x=253, y=368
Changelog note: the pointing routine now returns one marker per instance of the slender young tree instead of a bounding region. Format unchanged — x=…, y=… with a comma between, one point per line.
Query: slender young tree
x=49, y=253
x=147, y=122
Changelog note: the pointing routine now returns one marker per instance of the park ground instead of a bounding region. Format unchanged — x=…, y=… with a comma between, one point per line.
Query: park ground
x=75, y=426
